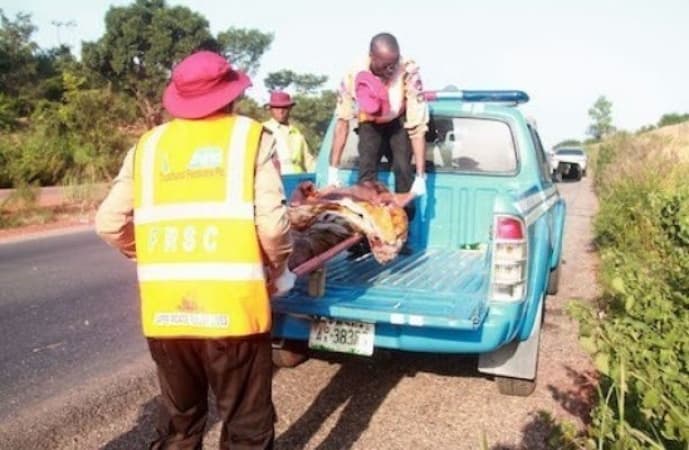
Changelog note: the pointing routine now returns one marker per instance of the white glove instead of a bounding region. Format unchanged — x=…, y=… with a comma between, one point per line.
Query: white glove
x=284, y=283
x=418, y=188
x=333, y=178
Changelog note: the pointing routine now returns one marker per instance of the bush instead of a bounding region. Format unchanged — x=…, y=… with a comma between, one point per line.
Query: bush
x=638, y=333
x=82, y=138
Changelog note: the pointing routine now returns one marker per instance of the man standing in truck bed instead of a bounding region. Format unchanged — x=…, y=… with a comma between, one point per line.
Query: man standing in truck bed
x=385, y=94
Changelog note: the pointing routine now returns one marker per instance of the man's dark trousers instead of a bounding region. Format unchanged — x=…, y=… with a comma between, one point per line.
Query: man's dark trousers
x=239, y=371
x=392, y=140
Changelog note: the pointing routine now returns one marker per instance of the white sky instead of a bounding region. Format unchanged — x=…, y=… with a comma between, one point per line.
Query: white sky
x=563, y=53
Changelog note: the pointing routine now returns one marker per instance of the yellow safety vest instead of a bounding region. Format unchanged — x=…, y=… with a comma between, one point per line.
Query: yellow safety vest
x=198, y=256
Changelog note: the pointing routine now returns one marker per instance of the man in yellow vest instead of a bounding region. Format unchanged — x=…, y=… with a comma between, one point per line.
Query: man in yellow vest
x=292, y=149
x=199, y=204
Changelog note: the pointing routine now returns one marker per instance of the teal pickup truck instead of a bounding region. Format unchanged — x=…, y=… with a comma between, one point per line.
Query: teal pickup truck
x=487, y=242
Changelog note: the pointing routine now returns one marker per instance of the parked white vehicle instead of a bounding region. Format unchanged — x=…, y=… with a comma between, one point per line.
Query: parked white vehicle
x=569, y=162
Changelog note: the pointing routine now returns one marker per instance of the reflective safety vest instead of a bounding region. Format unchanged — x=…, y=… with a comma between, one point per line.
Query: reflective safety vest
x=289, y=147
x=198, y=257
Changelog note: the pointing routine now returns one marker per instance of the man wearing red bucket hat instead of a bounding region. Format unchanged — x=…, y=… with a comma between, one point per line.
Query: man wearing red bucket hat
x=385, y=94
x=199, y=204
x=292, y=148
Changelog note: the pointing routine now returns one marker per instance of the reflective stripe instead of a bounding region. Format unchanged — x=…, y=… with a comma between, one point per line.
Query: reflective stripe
x=237, y=150
x=532, y=216
x=191, y=211
x=148, y=165
x=534, y=199
x=201, y=271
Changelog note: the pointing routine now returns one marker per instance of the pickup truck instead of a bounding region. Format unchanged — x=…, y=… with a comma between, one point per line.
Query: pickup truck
x=571, y=162
x=486, y=243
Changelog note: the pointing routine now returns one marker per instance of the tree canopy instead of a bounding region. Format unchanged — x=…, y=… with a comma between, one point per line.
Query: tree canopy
x=601, y=115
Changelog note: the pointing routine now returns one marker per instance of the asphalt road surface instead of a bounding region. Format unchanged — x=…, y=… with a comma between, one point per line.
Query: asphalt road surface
x=74, y=370
x=68, y=313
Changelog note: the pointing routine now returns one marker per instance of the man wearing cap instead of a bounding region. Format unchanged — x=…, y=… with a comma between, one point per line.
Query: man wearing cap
x=385, y=94
x=199, y=204
x=292, y=149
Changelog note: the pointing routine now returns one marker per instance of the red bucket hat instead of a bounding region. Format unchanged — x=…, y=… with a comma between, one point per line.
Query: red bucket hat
x=371, y=94
x=279, y=99
x=202, y=84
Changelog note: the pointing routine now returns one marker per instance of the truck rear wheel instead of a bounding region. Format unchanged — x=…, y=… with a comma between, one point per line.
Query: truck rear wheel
x=291, y=354
x=554, y=281
x=515, y=386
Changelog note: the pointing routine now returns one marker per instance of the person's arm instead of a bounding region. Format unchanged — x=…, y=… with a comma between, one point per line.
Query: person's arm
x=417, y=115
x=309, y=159
x=339, y=141
x=272, y=222
x=344, y=112
x=114, y=220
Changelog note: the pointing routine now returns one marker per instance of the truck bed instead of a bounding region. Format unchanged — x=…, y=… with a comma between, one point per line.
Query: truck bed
x=436, y=287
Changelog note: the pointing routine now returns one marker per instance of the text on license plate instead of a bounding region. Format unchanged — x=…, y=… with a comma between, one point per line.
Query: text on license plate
x=342, y=336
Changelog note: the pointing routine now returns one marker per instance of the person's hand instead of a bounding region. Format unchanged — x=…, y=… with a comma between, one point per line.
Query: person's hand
x=333, y=177
x=418, y=188
x=283, y=283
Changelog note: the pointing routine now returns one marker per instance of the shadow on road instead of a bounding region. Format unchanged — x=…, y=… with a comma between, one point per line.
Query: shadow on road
x=143, y=433
x=362, y=385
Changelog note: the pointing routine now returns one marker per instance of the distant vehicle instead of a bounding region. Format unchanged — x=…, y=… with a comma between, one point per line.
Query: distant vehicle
x=488, y=238
x=568, y=162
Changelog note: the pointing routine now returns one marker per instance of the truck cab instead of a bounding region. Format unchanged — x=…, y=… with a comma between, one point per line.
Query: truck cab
x=486, y=241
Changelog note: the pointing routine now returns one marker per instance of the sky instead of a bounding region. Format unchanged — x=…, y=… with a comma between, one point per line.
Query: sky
x=564, y=54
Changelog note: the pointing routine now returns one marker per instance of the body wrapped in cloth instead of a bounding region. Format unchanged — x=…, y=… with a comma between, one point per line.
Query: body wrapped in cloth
x=323, y=218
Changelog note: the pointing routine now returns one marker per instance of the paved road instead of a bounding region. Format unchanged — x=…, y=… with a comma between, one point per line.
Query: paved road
x=68, y=317
x=68, y=313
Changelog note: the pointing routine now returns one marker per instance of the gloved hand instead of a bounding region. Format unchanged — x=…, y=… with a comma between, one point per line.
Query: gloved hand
x=284, y=283
x=333, y=179
x=418, y=188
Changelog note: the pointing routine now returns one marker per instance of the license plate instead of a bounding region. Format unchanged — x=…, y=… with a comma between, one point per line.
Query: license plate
x=342, y=336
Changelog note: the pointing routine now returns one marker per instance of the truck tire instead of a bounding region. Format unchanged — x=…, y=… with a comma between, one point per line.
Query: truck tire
x=577, y=172
x=515, y=386
x=583, y=172
x=291, y=354
x=554, y=281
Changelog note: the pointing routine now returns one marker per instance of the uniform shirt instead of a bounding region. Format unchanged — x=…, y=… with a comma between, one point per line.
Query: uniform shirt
x=292, y=149
x=115, y=217
x=408, y=101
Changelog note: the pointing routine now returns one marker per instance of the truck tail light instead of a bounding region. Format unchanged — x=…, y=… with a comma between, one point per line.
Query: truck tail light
x=508, y=279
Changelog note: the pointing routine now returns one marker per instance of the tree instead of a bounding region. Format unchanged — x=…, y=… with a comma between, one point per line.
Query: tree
x=313, y=109
x=601, y=115
x=672, y=119
x=244, y=47
x=142, y=42
x=568, y=143
x=304, y=84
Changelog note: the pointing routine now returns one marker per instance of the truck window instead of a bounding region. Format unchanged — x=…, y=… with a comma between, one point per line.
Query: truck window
x=540, y=154
x=454, y=144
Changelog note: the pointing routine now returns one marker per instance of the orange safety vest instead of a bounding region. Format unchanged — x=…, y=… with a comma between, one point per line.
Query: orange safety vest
x=198, y=257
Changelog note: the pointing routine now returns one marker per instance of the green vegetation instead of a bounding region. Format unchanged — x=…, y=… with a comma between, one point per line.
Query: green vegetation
x=637, y=332
x=601, y=117
x=69, y=121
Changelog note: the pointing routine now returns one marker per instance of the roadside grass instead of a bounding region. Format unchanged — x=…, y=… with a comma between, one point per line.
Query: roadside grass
x=636, y=330
x=22, y=208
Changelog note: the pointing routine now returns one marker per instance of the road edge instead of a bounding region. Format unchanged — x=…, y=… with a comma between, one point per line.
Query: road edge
x=56, y=422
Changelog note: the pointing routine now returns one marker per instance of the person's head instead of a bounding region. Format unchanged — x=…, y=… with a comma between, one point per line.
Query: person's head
x=280, y=105
x=384, y=52
x=203, y=84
